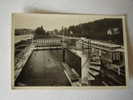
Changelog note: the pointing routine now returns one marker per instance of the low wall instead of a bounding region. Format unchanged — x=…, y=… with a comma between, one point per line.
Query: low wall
x=73, y=60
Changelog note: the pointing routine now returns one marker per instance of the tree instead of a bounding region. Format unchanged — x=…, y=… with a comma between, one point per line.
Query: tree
x=39, y=33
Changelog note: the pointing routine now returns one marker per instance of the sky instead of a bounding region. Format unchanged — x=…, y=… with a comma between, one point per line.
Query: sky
x=51, y=21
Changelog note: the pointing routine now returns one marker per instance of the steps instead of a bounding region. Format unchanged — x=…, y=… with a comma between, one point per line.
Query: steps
x=72, y=75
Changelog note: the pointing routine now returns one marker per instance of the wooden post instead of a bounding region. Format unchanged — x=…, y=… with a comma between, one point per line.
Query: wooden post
x=89, y=48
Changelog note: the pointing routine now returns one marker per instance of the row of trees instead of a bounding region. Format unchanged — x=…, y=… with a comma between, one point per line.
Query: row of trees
x=41, y=33
x=105, y=29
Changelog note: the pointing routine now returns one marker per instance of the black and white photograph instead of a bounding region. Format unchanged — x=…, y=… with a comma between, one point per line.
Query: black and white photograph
x=68, y=50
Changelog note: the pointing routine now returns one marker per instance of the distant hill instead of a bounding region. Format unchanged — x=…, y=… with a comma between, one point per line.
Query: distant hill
x=23, y=31
x=105, y=29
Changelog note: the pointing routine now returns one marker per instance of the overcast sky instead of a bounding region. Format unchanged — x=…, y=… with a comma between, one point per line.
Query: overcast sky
x=51, y=21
